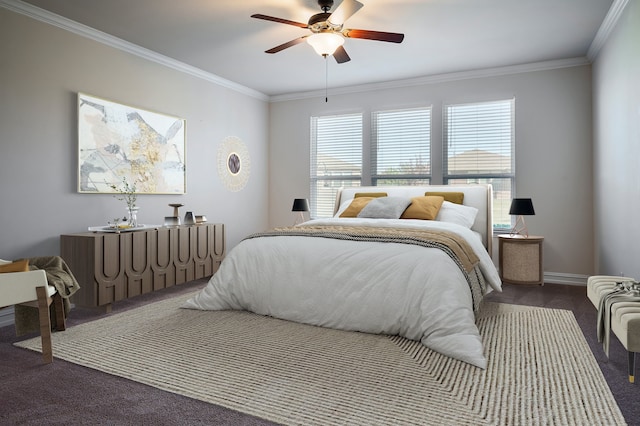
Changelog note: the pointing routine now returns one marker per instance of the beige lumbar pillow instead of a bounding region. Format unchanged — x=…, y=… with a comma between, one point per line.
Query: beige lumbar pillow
x=370, y=194
x=452, y=197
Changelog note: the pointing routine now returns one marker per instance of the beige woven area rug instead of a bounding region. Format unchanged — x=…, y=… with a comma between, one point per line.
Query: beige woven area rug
x=540, y=371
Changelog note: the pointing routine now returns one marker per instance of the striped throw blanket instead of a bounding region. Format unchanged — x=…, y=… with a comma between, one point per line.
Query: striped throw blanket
x=625, y=291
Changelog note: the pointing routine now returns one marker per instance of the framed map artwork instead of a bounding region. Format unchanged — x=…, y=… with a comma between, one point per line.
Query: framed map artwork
x=120, y=144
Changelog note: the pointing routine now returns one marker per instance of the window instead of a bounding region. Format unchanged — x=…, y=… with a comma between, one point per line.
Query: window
x=336, y=159
x=478, y=148
x=400, y=151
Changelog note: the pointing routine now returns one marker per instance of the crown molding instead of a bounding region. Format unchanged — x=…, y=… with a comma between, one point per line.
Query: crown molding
x=438, y=78
x=117, y=43
x=607, y=26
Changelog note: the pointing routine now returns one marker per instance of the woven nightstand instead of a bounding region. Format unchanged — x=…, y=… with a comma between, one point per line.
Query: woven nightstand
x=520, y=259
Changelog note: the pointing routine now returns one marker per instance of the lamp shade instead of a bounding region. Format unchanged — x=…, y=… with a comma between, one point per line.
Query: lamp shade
x=300, y=205
x=325, y=43
x=522, y=206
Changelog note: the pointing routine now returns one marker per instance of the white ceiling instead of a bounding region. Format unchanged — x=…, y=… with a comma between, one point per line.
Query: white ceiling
x=441, y=36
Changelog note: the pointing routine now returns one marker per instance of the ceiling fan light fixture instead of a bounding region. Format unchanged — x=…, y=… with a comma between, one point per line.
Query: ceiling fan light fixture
x=325, y=43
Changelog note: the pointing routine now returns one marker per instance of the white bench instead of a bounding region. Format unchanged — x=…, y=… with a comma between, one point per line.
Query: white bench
x=625, y=316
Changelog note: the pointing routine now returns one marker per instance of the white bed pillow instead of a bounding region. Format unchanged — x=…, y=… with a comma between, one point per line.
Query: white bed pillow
x=385, y=208
x=457, y=213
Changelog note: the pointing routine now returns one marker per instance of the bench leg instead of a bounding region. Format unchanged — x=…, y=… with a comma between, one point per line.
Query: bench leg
x=632, y=366
x=58, y=308
x=45, y=324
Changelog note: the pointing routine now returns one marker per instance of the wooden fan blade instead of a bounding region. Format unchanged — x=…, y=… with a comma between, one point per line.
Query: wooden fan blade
x=374, y=35
x=346, y=9
x=341, y=55
x=286, y=45
x=280, y=20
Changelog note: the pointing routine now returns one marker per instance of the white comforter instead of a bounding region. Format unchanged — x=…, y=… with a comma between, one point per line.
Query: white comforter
x=387, y=288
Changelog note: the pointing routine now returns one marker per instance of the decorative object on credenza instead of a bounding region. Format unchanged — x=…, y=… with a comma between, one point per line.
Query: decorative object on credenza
x=521, y=207
x=115, y=223
x=171, y=221
x=201, y=219
x=300, y=205
x=189, y=218
x=116, y=141
x=128, y=194
x=234, y=164
x=176, y=213
x=133, y=216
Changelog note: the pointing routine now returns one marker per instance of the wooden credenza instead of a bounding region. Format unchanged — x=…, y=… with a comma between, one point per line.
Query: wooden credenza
x=115, y=266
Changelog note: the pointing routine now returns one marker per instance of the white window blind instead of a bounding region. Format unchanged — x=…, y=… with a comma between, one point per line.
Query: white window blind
x=336, y=159
x=479, y=148
x=401, y=151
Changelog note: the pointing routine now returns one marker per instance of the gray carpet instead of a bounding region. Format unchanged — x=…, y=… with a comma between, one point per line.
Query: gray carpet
x=541, y=370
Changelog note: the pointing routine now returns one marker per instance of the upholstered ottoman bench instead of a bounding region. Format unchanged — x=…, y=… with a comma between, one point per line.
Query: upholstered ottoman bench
x=625, y=315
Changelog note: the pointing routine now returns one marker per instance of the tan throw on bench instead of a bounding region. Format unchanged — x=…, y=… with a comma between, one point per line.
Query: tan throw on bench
x=624, y=311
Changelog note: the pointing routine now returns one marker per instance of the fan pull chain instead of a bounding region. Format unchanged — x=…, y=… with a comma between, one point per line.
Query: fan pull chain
x=326, y=78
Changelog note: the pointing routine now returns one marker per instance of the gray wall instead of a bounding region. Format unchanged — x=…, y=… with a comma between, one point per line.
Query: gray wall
x=616, y=90
x=42, y=68
x=553, y=148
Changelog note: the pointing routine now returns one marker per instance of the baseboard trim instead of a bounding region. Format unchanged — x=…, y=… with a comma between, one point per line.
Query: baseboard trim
x=567, y=279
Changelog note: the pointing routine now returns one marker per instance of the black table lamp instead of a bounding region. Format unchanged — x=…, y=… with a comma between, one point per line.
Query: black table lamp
x=300, y=205
x=521, y=207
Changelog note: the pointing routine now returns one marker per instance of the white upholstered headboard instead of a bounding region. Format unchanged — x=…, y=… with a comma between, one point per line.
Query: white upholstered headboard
x=478, y=196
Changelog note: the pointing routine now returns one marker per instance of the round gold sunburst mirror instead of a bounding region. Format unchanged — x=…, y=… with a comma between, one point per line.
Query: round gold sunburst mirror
x=234, y=164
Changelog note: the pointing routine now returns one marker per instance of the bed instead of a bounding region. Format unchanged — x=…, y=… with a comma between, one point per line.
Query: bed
x=409, y=261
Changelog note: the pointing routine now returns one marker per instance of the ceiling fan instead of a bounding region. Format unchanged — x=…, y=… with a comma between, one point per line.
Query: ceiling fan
x=327, y=32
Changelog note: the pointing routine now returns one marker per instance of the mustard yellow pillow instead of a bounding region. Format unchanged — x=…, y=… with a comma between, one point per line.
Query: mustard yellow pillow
x=370, y=194
x=452, y=197
x=19, y=266
x=356, y=205
x=425, y=208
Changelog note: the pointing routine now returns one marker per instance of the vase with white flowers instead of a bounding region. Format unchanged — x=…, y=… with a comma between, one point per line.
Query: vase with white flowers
x=129, y=195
